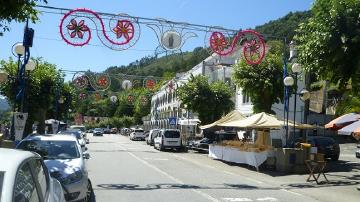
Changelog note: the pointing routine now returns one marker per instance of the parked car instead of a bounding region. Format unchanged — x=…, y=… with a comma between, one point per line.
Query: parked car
x=325, y=145
x=78, y=134
x=65, y=161
x=357, y=153
x=114, y=130
x=168, y=138
x=107, y=131
x=24, y=177
x=98, y=132
x=152, y=135
x=201, y=145
x=137, y=134
x=82, y=129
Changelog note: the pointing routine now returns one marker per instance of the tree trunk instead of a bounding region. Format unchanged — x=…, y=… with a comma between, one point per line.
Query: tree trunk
x=41, y=118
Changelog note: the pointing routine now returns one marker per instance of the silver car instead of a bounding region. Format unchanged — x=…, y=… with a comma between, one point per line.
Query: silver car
x=64, y=159
x=24, y=177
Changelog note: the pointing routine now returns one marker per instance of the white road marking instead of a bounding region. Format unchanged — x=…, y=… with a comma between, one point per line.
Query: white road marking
x=171, y=177
x=285, y=190
x=227, y=172
x=237, y=199
x=155, y=159
x=267, y=199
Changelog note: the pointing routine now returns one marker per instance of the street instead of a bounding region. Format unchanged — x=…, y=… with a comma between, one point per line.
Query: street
x=124, y=170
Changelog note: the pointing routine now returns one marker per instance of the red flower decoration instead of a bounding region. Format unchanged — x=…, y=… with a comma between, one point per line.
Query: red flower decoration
x=150, y=84
x=124, y=28
x=218, y=42
x=253, y=47
x=102, y=81
x=77, y=29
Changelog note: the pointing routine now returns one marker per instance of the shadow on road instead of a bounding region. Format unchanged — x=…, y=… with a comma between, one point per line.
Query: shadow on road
x=121, y=150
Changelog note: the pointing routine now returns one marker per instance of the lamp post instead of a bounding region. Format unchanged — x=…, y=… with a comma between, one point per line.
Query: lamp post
x=291, y=80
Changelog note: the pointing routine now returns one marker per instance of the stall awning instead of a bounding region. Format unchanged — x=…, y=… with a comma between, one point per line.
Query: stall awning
x=263, y=121
x=232, y=116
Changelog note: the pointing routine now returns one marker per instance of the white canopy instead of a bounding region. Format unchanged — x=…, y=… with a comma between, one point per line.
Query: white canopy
x=231, y=116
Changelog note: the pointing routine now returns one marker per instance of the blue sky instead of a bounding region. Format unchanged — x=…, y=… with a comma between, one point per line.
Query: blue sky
x=234, y=14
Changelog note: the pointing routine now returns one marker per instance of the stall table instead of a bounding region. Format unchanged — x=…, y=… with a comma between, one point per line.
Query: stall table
x=231, y=154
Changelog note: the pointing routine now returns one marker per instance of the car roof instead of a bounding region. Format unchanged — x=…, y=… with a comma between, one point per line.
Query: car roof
x=11, y=158
x=53, y=137
x=168, y=129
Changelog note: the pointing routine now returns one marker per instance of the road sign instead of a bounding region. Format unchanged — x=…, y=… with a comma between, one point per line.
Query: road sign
x=172, y=121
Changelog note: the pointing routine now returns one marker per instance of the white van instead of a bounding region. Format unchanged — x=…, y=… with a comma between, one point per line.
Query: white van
x=168, y=138
x=137, y=134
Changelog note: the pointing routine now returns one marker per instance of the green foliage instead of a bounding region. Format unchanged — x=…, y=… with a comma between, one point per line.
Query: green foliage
x=114, y=122
x=17, y=10
x=164, y=66
x=283, y=27
x=263, y=82
x=210, y=101
x=42, y=86
x=328, y=43
x=349, y=104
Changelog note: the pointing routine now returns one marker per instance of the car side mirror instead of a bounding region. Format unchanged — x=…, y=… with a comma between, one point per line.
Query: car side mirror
x=86, y=156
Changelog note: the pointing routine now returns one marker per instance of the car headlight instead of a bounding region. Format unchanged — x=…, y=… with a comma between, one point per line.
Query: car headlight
x=74, y=177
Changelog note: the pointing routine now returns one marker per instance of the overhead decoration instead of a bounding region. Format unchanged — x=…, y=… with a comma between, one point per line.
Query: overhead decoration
x=100, y=82
x=82, y=96
x=126, y=85
x=226, y=42
x=171, y=36
x=113, y=99
x=171, y=86
x=143, y=100
x=80, y=80
x=130, y=99
x=149, y=83
x=136, y=83
x=122, y=32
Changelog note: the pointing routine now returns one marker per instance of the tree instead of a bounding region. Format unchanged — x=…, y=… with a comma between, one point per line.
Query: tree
x=40, y=91
x=328, y=43
x=18, y=10
x=263, y=82
x=210, y=101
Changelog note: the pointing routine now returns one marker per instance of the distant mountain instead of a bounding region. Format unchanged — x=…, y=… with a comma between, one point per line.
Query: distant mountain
x=4, y=105
x=283, y=27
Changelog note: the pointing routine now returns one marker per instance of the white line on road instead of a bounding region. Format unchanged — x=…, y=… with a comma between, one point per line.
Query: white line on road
x=155, y=159
x=237, y=199
x=226, y=172
x=285, y=190
x=170, y=177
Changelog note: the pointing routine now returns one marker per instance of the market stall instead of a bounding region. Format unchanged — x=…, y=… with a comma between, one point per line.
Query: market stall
x=253, y=154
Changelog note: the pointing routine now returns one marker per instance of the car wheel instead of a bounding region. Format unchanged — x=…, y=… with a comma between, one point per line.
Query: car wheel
x=90, y=196
x=161, y=148
x=335, y=158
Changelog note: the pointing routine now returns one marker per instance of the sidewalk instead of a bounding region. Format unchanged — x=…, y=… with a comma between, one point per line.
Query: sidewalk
x=343, y=176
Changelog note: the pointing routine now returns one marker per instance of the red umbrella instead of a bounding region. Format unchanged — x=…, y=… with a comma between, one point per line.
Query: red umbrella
x=342, y=121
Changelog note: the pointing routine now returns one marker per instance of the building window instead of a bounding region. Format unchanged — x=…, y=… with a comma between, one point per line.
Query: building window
x=245, y=97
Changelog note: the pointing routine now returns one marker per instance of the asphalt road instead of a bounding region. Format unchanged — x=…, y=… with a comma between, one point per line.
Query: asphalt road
x=124, y=170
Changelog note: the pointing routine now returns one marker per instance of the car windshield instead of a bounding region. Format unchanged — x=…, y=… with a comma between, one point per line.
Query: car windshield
x=172, y=134
x=97, y=129
x=75, y=133
x=81, y=128
x=1, y=182
x=52, y=149
x=139, y=131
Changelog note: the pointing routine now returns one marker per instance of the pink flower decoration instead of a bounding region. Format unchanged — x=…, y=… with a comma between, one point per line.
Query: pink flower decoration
x=77, y=29
x=124, y=28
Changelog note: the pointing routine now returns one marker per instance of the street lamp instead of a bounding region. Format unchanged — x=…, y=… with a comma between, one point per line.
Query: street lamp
x=291, y=80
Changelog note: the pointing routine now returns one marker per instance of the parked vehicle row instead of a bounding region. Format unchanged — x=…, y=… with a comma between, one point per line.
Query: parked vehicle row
x=46, y=168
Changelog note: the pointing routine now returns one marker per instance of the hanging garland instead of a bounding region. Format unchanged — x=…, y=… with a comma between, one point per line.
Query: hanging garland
x=225, y=43
x=80, y=80
x=123, y=31
x=82, y=96
x=130, y=99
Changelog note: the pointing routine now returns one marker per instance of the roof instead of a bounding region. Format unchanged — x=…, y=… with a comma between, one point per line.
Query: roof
x=11, y=158
x=53, y=137
x=231, y=116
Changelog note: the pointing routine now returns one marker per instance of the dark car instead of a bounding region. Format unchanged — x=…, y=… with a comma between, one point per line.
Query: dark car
x=201, y=145
x=357, y=153
x=107, y=131
x=325, y=145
